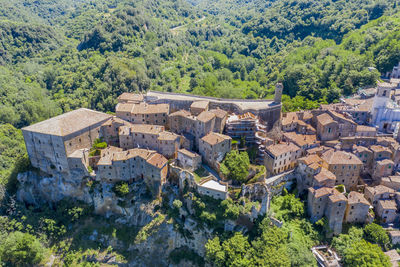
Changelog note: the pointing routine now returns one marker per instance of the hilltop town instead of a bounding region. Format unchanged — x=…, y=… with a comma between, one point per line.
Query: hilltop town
x=343, y=157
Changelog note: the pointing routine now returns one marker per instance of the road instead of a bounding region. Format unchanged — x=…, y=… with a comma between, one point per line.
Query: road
x=175, y=29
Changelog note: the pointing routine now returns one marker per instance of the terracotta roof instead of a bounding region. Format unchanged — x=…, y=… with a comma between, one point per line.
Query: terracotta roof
x=307, y=115
x=324, y=175
x=361, y=149
x=325, y=119
x=182, y=113
x=379, y=148
x=131, y=97
x=301, y=139
x=69, y=122
x=388, y=204
x=188, y=153
x=215, y=138
x=219, y=113
x=288, y=118
x=200, y=104
x=124, y=107
x=320, y=192
x=206, y=116
x=355, y=197
x=315, y=166
x=144, y=108
x=310, y=159
x=157, y=160
x=337, y=196
x=115, y=119
x=341, y=157
x=165, y=135
x=385, y=162
x=379, y=189
x=341, y=116
x=279, y=149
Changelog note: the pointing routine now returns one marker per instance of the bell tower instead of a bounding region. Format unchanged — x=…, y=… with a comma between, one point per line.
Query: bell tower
x=278, y=93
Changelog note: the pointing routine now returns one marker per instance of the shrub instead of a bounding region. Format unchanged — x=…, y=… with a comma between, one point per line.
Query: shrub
x=121, y=189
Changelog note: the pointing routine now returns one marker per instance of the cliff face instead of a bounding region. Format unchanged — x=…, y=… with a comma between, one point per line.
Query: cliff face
x=157, y=236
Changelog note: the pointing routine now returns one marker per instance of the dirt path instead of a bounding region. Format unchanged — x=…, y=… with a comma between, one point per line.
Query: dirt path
x=175, y=30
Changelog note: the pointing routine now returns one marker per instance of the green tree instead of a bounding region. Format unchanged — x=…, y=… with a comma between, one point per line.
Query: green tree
x=363, y=253
x=375, y=234
x=236, y=166
x=21, y=249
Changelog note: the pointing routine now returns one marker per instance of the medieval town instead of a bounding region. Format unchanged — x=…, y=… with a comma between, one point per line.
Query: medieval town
x=344, y=157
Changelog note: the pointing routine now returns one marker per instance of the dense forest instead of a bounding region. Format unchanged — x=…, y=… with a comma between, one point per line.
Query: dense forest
x=58, y=55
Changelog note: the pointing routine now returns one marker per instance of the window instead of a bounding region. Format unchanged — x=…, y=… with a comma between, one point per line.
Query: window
x=352, y=207
x=329, y=130
x=340, y=204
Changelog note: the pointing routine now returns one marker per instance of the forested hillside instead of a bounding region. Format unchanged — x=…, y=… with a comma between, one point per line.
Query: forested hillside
x=59, y=55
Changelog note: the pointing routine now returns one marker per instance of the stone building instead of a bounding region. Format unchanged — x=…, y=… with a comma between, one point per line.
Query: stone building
x=395, y=237
x=386, y=210
x=49, y=143
x=134, y=165
x=357, y=210
x=382, y=168
x=188, y=160
x=363, y=130
x=365, y=155
x=327, y=202
x=220, y=119
x=381, y=152
x=392, y=182
x=281, y=157
x=306, y=169
x=152, y=137
x=344, y=165
x=304, y=141
x=289, y=121
x=109, y=131
x=213, y=188
x=130, y=98
x=143, y=113
x=213, y=147
x=198, y=107
x=327, y=128
x=379, y=192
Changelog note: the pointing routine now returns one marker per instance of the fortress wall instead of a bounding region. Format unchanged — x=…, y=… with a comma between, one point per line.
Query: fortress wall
x=269, y=113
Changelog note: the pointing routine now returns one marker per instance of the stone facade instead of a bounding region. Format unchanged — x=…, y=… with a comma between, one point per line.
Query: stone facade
x=143, y=113
x=357, y=210
x=281, y=157
x=188, y=160
x=386, y=210
x=344, y=165
x=132, y=165
x=49, y=143
x=213, y=148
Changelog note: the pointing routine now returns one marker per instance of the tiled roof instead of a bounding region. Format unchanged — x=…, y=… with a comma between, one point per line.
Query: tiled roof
x=188, y=153
x=288, y=118
x=145, y=128
x=200, y=104
x=124, y=107
x=324, y=175
x=379, y=189
x=219, y=113
x=279, y=149
x=363, y=128
x=131, y=97
x=320, y=192
x=215, y=138
x=388, y=204
x=325, y=119
x=206, y=116
x=69, y=122
x=355, y=197
x=310, y=159
x=379, y=148
x=182, y=113
x=167, y=136
x=337, y=196
x=341, y=157
x=301, y=139
x=157, y=160
x=144, y=108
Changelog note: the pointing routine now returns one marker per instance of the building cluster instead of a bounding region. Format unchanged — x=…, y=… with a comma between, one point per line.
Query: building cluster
x=344, y=158
x=146, y=134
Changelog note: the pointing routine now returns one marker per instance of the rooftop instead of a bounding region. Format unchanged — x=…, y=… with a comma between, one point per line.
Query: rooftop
x=379, y=189
x=206, y=116
x=219, y=113
x=202, y=104
x=144, y=108
x=355, y=197
x=130, y=97
x=301, y=139
x=320, y=192
x=188, y=153
x=215, y=138
x=388, y=204
x=289, y=117
x=214, y=185
x=325, y=119
x=341, y=157
x=279, y=149
x=324, y=175
x=69, y=122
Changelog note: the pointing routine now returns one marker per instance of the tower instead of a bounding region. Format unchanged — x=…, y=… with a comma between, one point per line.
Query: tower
x=278, y=93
